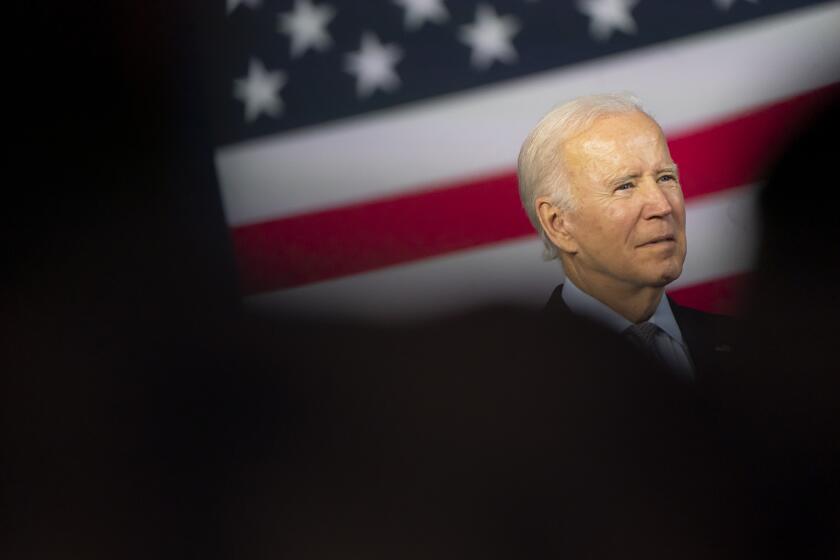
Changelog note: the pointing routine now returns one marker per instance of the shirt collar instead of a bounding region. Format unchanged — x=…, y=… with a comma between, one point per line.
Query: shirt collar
x=581, y=303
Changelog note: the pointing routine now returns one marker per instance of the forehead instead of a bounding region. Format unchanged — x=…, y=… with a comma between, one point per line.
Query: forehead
x=616, y=141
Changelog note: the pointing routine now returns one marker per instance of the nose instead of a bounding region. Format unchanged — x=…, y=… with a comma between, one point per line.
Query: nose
x=657, y=204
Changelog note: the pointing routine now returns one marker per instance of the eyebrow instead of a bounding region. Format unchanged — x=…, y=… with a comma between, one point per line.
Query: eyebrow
x=673, y=168
x=623, y=178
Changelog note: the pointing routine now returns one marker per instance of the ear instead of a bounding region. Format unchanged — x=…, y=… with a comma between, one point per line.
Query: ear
x=554, y=221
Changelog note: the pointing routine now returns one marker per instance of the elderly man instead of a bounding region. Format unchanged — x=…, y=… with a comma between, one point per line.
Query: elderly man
x=599, y=185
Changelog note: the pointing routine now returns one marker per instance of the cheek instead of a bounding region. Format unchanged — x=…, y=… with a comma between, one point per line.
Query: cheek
x=678, y=204
x=608, y=229
x=681, y=219
x=619, y=223
x=600, y=229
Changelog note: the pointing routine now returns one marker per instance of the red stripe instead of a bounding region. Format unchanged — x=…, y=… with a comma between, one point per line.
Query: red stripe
x=351, y=239
x=356, y=238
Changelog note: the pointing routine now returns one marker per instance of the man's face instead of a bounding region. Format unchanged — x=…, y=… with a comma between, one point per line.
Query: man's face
x=629, y=221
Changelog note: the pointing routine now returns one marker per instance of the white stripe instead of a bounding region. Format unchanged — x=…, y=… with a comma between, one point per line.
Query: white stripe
x=684, y=84
x=720, y=231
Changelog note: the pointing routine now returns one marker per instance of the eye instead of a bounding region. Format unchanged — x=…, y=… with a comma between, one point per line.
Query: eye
x=667, y=178
x=624, y=186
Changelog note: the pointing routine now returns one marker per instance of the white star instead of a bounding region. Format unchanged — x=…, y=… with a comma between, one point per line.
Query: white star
x=373, y=65
x=490, y=37
x=232, y=4
x=726, y=4
x=260, y=91
x=307, y=26
x=607, y=16
x=418, y=12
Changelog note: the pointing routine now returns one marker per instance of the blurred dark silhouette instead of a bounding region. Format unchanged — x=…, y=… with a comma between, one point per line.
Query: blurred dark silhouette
x=784, y=401
x=118, y=280
x=147, y=415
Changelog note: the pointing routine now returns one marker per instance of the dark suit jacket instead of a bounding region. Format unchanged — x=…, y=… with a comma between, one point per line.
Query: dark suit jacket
x=711, y=338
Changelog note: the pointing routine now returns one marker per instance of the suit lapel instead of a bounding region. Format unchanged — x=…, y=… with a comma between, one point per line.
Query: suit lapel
x=555, y=304
x=710, y=338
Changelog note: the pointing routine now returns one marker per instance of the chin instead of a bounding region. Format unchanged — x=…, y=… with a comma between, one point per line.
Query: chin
x=669, y=277
x=666, y=276
x=671, y=269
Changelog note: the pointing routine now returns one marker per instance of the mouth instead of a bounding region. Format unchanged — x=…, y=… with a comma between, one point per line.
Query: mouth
x=662, y=239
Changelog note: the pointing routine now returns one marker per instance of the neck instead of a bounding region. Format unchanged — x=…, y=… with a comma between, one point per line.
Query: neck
x=634, y=303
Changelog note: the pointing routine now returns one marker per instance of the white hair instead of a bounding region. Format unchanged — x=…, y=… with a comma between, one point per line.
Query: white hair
x=540, y=167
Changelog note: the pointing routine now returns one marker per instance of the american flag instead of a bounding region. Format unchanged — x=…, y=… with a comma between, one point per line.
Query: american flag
x=366, y=151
